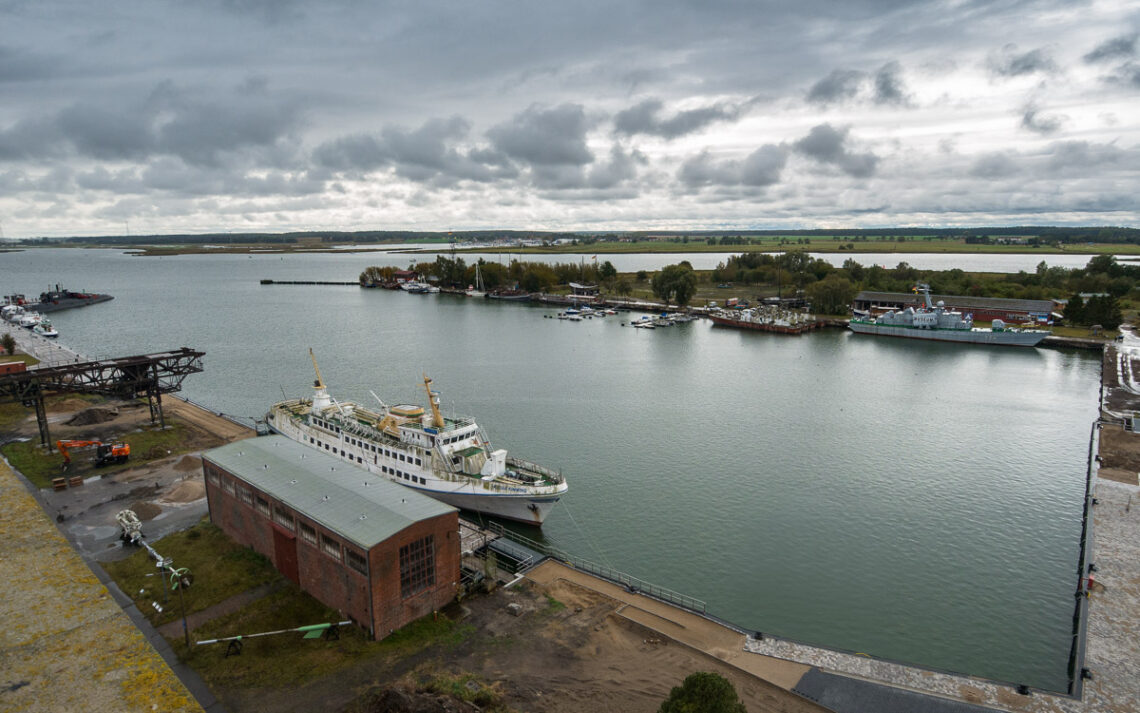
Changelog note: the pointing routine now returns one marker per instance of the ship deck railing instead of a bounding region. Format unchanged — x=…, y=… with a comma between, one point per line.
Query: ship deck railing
x=611, y=574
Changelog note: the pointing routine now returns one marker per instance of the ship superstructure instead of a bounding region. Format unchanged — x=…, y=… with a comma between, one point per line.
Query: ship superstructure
x=936, y=322
x=448, y=458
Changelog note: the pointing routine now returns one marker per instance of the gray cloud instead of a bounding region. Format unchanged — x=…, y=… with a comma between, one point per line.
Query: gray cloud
x=886, y=86
x=426, y=154
x=1116, y=48
x=841, y=84
x=1069, y=156
x=994, y=165
x=1126, y=75
x=545, y=137
x=21, y=66
x=826, y=144
x=643, y=118
x=166, y=122
x=1010, y=63
x=763, y=167
x=889, y=87
x=1033, y=120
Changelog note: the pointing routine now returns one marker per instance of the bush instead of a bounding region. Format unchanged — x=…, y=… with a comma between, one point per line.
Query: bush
x=703, y=692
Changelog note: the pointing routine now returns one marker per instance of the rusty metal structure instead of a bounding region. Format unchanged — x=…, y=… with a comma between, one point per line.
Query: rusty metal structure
x=150, y=375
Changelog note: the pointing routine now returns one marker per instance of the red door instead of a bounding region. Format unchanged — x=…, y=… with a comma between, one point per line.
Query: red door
x=285, y=554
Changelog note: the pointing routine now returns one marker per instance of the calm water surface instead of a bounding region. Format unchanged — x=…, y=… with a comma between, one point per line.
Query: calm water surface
x=913, y=501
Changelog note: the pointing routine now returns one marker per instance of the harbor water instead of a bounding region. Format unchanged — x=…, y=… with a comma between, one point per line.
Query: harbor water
x=915, y=501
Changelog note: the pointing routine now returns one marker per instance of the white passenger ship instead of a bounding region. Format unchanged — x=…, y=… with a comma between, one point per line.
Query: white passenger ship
x=449, y=459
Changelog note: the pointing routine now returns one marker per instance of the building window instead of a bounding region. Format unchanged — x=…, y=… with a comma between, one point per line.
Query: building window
x=283, y=518
x=213, y=476
x=245, y=495
x=228, y=486
x=330, y=547
x=263, y=506
x=356, y=561
x=417, y=566
x=308, y=534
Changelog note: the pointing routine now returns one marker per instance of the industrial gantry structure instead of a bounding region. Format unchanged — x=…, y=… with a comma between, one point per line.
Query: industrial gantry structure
x=150, y=375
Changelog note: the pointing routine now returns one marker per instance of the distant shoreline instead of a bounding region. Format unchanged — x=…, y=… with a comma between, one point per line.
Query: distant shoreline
x=639, y=248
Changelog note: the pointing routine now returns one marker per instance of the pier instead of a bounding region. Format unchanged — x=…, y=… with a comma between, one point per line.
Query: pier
x=309, y=282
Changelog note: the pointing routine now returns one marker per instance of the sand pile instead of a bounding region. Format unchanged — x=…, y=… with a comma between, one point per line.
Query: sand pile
x=186, y=491
x=188, y=463
x=146, y=511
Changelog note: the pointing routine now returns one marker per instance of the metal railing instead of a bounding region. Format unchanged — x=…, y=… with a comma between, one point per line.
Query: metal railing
x=633, y=584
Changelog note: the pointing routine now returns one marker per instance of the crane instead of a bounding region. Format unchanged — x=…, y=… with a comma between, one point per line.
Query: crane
x=105, y=453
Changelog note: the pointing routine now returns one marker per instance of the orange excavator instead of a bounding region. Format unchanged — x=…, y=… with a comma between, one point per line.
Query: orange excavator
x=105, y=453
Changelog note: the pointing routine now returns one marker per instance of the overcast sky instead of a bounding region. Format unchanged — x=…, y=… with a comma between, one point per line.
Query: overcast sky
x=270, y=115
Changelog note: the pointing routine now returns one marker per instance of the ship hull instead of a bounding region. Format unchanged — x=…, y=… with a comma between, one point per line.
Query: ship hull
x=962, y=336
x=66, y=303
x=764, y=326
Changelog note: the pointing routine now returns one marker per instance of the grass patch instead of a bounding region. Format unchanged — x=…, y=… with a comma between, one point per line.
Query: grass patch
x=26, y=358
x=468, y=688
x=221, y=569
x=14, y=413
x=553, y=605
x=40, y=466
x=289, y=659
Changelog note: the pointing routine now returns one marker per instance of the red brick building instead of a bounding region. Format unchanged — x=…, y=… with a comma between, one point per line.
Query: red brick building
x=382, y=554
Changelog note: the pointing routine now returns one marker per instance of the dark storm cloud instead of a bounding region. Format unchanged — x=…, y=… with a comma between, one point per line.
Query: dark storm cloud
x=1033, y=120
x=762, y=167
x=841, y=84
x=1010, y=63
x=545, y=137
x=1116, y=48
x=826, y=144
x=643, y=118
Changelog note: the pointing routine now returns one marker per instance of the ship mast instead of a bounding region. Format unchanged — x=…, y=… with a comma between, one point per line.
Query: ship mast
x=433, y=401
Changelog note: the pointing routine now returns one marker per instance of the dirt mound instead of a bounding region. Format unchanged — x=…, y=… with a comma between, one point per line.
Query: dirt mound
x=185, y=492
x=156, y=452
x=97, y=414
x=188, y=463
x=146, y=511
x=400, y=700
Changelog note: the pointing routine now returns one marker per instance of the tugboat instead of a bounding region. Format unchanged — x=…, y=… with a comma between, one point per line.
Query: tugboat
x=935, y=322
x=449, y=459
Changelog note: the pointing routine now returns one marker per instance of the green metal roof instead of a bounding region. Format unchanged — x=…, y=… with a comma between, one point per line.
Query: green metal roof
x=363, y=508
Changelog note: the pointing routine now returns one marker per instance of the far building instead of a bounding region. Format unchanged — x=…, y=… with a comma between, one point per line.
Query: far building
x=382, y=554
x=578, y=290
